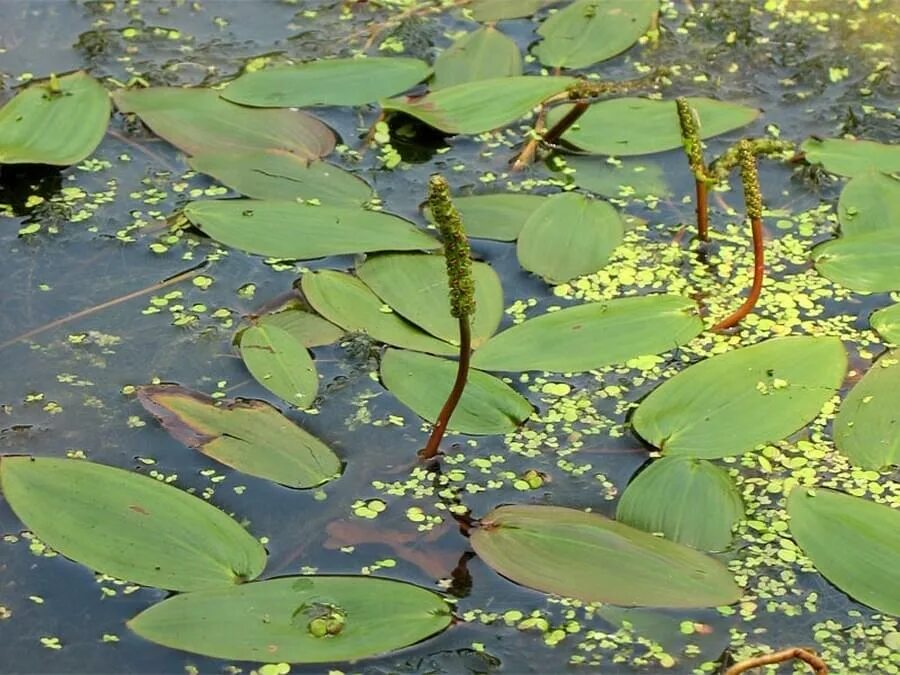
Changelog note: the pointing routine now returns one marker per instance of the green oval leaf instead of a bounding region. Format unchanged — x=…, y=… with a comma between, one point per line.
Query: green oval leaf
x=274, y=174
x=280, y=363
x=270, y=620
x=422, y=382
x=624, y=179
x=870, y=202
x=639, y=126
x=301, y=232
x=415, y=286
x=129, y=526
x=868, y=263
x=249, y=436
x=589, y=31
x=886, y=322
x=499, y=216
x=348, y=302
x=689, y=500
x=497, y=10
x=730, y=403
x=853, y=542
x=41, y=127
x=198, y=121
x=327, y=82
x=595, y=559
x=310, y=330
x=480, y=55
x=867, y=427
x=476, y=107
x=592, y=335
x=568, y=236
x=847, y=157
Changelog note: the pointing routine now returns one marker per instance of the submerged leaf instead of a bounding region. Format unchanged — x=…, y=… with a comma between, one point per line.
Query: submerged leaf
x=847, y=157
x=733, y=402
x=868, y=263
x=129, y=526
x=249, y=436
x=422, y=382
x=40, y=126
x=301, y=232
x=595, y=559
x=280, y=363
x=869, y=203
x=853, y=542
x=592, y=335
x=276, y=620
x=327, y=82
x=480, y=55
x=499, y=216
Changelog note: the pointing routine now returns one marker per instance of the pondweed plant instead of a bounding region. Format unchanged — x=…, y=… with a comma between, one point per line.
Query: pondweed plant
x=693, y=148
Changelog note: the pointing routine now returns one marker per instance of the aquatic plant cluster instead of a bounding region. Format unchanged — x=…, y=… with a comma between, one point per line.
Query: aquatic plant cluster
x=714, y=407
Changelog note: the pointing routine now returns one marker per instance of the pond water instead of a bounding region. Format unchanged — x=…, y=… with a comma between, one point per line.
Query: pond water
x=101, y=298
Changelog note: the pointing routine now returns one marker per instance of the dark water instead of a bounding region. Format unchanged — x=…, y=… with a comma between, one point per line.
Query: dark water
x=63, y=377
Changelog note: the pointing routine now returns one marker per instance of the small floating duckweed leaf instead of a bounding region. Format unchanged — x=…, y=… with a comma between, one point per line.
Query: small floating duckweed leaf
x=310, y=619
x=733, y=402
x=853, y=542
x=280, y=363
x=480, y=55
x=129, y=526
x=847, y=157
x=249, y=436
x=595, y=559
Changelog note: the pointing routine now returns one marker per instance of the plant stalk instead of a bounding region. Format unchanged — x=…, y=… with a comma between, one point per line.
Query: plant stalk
x=818, y=666
x=693, y=148
x=430, y=450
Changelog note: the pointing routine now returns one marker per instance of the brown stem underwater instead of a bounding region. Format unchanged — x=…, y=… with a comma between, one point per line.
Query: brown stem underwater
x=813, y=661
x=759, y=273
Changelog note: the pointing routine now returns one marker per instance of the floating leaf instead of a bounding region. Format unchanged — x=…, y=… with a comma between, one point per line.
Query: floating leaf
x=592, y=335
x=129, y=526
x=415, y=286
x=39, y=126
x=275, y=174
x=499, y=216
x=689, y=500
x=422, y=382
x=301, y=232
x=853, y=542
x=870, y=202
x=481, y=55
x=274, y=620
x=639, y=126
x=309, y=329
x=730, y=403
x=250, y=436
x=867, y=427
x=351, y=304
x=568, y=236
x=868, y=263
x=595, y=559
x=327, y=82
x=476, y=107
x=627, y=178
x=851, y=158
x=886, y=322
x=280, y=363
x=198, y=121
x=589, y=31
x=497, y=10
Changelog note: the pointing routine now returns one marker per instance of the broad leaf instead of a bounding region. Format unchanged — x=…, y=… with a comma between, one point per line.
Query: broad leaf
x=198, y=121
x=301, y=232
x=851, y=158
x=626, y=178
x=868, y=263
x=499, y=216
x=309, y=329
x=589, y=31
x=276, y=174
x=129, y=526
x=853, y=542
x=592, y=335
x=595, y=559
x=276, y=620
x=481, y=55
x=733, y=402
x=886, y=322
x=280, y=363
x=422, y=382
x=497, y=10
x=250, y=436
x=689, y=500
x=867, y=428
x=348, y=302
x=476, y=107
x=415, y=286
x=327, y=82
x=568, y=236
x=869, y=203
x=639, y=126
x=39, y=126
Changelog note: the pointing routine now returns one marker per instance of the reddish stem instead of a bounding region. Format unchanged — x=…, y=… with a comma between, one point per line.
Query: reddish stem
x=759, y=272
x=702, y=209
x=813, y=661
